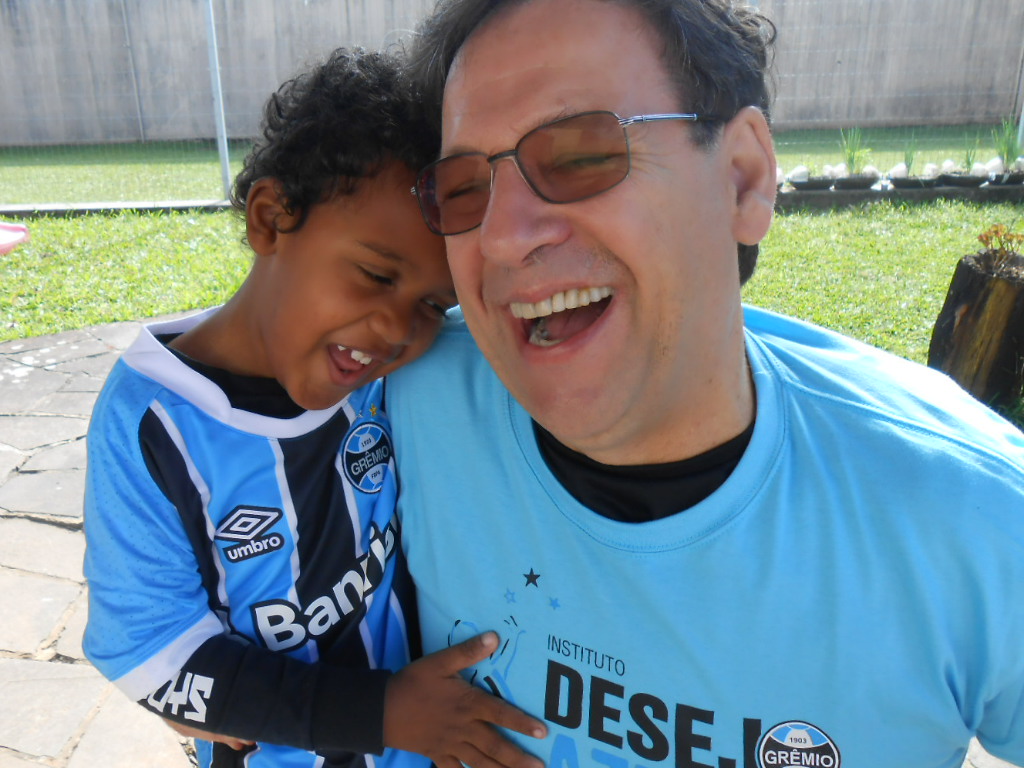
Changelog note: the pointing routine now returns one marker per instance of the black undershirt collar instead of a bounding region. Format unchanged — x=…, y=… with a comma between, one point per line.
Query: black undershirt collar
x=644, y=492
x=256, y=394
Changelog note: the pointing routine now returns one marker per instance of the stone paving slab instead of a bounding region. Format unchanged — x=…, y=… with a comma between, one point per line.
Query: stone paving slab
x=124, y=735
x=56, y=493
x=85, y=383
x=118, y=336
x=98, y=366
x=47, y=550
x=69, y=644
x=83, y=345
x=24, y=387
x=27, y=433
x=45, y=704
x=66, y=456
x=9, y=460
x=33, y=343
x=11, y=761
x=67, y=404
x=34, y=609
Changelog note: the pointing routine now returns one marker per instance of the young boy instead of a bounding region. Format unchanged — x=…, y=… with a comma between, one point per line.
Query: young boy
x=243, y=563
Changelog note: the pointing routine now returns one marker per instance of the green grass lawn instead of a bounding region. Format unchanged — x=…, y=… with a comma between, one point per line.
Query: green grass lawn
x=878, y=273
x=96, y=269
x=97, y=173
x=190, y=170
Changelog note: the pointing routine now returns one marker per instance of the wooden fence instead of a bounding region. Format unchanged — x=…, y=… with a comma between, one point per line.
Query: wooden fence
x=128, y=70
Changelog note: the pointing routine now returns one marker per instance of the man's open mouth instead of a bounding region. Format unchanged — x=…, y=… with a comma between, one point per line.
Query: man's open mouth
x=563, y=315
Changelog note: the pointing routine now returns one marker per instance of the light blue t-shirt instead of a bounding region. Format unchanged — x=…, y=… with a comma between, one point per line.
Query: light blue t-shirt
x=853, y=594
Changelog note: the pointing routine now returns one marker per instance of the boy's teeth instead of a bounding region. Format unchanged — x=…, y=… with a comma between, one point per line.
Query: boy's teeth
x=359, y=357
x=571, y=299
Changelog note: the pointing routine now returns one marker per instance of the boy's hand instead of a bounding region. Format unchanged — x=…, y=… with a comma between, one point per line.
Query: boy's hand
x=196, y=733
x=429, y=709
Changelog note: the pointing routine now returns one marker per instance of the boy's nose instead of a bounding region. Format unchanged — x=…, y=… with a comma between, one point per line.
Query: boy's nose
x=395, y=324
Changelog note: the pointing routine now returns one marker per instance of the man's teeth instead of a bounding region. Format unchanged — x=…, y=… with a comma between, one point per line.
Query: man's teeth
x=571, y=299
x=359, y=357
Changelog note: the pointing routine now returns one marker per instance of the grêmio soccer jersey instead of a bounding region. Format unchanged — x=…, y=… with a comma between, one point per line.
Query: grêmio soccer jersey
x=245, y=574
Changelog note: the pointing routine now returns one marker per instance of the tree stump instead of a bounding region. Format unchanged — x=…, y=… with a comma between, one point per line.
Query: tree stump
x=978, y=337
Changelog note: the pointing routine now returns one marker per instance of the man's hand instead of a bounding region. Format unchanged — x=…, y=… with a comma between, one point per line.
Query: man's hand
x=195, y=733
x=429, y=709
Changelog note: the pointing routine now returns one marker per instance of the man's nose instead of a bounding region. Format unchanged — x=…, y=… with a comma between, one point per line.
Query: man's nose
x=517, y=221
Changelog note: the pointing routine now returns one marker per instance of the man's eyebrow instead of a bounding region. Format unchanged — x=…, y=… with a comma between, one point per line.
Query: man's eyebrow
x=565, y=111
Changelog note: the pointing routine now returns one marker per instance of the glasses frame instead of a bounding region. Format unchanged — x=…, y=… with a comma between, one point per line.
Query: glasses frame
x=513, y=154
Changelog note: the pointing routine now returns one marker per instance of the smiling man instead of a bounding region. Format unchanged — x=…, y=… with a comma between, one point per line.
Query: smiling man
x=709, y=535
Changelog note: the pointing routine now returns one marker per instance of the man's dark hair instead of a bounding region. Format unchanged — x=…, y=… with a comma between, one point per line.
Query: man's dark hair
x=343, y=121
x=718, y=53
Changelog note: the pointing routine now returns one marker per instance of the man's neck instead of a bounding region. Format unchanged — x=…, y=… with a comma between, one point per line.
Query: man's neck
x=690, y=427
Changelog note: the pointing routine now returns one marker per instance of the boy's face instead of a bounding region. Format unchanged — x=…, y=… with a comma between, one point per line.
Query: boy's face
x=357, y=291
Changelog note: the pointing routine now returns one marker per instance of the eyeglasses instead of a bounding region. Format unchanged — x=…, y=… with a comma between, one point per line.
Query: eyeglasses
x=564, y=161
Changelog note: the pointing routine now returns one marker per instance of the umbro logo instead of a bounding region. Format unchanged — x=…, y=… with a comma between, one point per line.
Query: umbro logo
x=247, y=525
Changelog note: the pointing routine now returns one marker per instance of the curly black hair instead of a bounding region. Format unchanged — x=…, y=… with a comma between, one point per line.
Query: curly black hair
x=328, y=128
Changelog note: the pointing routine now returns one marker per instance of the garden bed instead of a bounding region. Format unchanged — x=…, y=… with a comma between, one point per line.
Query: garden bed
x=838, y=198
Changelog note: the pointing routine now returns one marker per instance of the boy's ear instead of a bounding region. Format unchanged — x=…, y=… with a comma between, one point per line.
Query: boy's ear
x=265, y=216
x=752, y=168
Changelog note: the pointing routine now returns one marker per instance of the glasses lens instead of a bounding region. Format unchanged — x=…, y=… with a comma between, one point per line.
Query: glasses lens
x=568, y=160
x=454, y=192
x=576, y=157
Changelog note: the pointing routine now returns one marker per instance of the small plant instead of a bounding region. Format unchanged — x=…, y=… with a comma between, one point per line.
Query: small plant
x=1007, y=144
x=855, y=154
x=970, y=151
x=1015, y=412
x=1002, y=248
x=909, y=155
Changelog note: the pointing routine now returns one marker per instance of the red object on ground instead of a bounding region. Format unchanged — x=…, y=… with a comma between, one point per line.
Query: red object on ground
x=11, y=235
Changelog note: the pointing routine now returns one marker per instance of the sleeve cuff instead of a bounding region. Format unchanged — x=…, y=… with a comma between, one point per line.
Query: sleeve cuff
x=348, y=710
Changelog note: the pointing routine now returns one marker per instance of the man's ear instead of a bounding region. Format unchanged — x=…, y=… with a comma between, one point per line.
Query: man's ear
x=752, y=168
x=265, y=216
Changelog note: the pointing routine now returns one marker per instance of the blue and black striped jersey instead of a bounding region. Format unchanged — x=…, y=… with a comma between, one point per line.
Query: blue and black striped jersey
x=245, y=573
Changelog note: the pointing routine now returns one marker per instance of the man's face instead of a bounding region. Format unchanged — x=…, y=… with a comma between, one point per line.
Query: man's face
x=626, y=377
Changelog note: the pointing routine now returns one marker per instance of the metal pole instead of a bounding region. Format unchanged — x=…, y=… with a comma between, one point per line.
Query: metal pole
x=132, y=70
x=1020, y=95
x=1020, y=126
x=218, y=101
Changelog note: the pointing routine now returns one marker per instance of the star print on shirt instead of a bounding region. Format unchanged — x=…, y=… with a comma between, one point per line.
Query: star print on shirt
x=531, y=578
